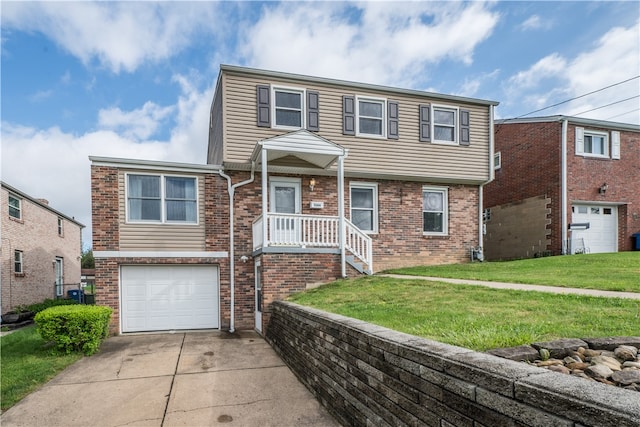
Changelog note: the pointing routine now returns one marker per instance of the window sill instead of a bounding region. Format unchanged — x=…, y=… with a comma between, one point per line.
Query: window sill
x=18, y=220
x=452, y=143
x=18, y=274
x=594, y=156
x=371, y=136
x=436, y=236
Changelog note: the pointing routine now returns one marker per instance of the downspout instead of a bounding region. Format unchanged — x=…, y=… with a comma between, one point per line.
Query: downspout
x=563, y=187
x=341, y=225
x=492, y=175
x=232, y=264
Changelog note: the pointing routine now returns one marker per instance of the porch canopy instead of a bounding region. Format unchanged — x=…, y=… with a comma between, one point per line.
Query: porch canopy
x=305, y=145
x=314, y=152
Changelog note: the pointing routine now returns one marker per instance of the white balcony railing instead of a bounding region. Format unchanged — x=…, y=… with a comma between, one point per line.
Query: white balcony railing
x=311, y=231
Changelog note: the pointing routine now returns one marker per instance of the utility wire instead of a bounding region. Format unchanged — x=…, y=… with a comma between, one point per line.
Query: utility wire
x=622, y=114
x=578, y=97
x=608, y=105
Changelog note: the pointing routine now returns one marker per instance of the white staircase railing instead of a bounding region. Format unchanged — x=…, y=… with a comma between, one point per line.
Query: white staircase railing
x=312, y=231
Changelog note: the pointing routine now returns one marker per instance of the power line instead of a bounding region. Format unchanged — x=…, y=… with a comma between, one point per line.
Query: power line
x=622, y=114
x=608, y=105
x=578, y=97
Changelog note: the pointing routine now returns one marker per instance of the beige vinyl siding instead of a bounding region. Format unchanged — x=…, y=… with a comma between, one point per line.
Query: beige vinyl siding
x=406, y=156
x=159, y=237
x=214, y=156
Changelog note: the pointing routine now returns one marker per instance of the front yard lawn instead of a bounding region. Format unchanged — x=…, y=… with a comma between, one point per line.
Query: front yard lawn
x=27, y=364
x=474, y=317
x=608, y=272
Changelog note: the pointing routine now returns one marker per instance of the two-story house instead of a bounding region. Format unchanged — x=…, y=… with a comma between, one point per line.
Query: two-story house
x=308, y=180
x=41, y=249
x=562, y=185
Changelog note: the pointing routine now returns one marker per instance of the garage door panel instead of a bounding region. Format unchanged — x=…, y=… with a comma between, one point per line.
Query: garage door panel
x=169, y=297
x=602, y=234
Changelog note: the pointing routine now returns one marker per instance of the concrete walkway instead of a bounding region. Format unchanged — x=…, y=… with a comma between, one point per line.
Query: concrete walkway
x=181, y=379
x=522, y=287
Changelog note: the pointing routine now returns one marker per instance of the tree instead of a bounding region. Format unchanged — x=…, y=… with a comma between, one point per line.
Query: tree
x=87, y=259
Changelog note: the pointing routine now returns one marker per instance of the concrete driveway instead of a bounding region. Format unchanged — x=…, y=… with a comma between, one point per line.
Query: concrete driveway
x=180, y=379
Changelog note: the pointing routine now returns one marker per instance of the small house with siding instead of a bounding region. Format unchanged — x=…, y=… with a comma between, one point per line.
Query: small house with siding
x=307, y=180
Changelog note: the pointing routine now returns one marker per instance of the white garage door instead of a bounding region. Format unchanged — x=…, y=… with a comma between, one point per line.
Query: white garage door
x=161, y=297
x=602, y=234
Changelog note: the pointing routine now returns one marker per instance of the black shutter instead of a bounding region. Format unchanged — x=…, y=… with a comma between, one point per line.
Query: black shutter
x=464, y=128
x=263, y=108
x=348, y=115
x=392, y=113
x=425, y=122
x=313, y=116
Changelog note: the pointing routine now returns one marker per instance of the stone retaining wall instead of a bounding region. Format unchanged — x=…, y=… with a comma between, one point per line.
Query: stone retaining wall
x=367, y=375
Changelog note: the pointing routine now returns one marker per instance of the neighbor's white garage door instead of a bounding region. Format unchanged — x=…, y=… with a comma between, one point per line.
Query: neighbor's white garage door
x=602, y=234
x=160, y=297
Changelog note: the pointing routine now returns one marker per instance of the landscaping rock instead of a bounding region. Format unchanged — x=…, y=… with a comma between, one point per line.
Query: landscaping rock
x=610, y=362
x=519, y=354
x=626, y=376
x=626, y=353
x=598, y=372
x=611, y=343
x=560, y=348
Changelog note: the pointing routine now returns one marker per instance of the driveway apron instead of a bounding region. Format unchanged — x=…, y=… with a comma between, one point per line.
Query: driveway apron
x=179, y=379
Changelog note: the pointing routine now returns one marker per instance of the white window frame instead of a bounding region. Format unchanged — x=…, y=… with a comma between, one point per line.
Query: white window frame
x=18, y=259
x=605, y=143
x=456, y=124
x=60, y=226
x=445, y=210
x=303, y=106
x=19, y=207
x=163, y=200
x=497, y=160
x=383, y=118
x=374, y=191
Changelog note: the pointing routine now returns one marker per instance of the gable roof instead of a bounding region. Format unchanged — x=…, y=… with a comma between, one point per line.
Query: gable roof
x=303, y=144
x=351, y=84
x=35, y=201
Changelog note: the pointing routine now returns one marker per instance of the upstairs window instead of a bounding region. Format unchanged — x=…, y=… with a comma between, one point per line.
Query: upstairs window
x=497, y=160
x=593, y=143
x=163, y=199
x=445, y=124
x=364, y=207
x=435, y=211
x=370, y=114
x=288, y=108
x=60, y=227
x=15, y=207
x=17, y=262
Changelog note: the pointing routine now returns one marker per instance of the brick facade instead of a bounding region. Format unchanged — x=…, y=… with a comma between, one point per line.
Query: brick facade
x=531, y=154
x=36, y=235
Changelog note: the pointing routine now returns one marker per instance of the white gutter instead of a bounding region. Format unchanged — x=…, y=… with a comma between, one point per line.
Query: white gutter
x=232, y=264
x=563, y=187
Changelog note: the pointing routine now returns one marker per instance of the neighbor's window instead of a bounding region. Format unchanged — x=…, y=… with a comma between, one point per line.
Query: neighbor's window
x=60, y=227
x=15, y=207
x=370, y=117
x=17, y=262
x=434, y=211
x=497, y=160
x=445, y=124
x=364, y=206
x=596, y=143
x=289, y=108
x=153, y=198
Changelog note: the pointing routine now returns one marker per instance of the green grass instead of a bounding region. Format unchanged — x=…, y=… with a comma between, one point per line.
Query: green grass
x=610, y=272
x=474, y=317
x=27, y=363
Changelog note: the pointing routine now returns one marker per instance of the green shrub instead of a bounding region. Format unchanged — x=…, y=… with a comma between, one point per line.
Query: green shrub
x=74, y=328
x=38, y=307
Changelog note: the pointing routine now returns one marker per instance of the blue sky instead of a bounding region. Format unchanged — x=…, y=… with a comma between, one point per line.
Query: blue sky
x=136, y=79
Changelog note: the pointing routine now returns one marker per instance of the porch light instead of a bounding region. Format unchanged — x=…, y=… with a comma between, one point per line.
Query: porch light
x=312, y=183
x=603, y=188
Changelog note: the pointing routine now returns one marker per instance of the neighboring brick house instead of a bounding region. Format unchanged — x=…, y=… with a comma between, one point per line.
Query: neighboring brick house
x=41, y=250
x=327, y=179
x=562, y=185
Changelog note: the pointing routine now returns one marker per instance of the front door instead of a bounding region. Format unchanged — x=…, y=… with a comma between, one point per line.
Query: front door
x=59, y=276
x=258, y=296
x=284, y=194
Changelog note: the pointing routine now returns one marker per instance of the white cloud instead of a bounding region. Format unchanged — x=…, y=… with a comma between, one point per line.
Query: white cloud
x=32, y=160
x=138, y=124
x=377, y=42
x=118, y=35
x=614, y=57
x=535, y=22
